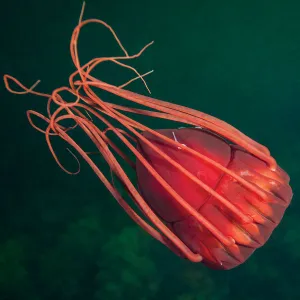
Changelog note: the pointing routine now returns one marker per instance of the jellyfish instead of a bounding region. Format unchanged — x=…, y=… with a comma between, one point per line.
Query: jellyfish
x=204, y=189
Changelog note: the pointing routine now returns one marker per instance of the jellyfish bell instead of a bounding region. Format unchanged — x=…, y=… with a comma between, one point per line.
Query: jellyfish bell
x=207, y=192
x=264, y=214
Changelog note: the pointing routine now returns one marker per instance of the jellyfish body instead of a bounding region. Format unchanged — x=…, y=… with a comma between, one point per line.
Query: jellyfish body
x=264, y=214
x=208, y=192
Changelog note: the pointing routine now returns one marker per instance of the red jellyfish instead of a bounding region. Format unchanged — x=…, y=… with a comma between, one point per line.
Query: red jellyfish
x=211, y=193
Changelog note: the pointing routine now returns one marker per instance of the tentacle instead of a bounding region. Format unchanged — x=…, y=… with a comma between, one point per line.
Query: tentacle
x=26, y=90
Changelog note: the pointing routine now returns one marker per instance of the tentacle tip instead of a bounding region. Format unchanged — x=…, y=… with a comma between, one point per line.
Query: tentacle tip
x=6, y=78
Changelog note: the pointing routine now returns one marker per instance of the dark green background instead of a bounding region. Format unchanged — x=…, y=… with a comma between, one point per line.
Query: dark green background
x=64, y=237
